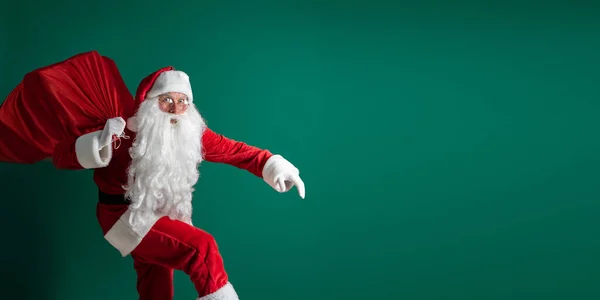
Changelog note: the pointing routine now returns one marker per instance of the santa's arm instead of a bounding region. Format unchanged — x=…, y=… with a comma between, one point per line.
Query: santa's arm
x=91, y=150
x=220, y=149
x=275, y=170
x=83, y=152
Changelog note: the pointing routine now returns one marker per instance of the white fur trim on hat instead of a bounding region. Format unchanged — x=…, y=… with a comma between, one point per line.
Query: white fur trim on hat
x=171, y=81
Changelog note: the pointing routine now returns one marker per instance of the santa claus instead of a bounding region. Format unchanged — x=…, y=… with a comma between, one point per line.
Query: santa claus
x=145, y=165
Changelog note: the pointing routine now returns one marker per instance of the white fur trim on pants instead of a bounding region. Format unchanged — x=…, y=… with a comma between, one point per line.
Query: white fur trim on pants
x=225, y=293
x=122, y=236
x=89, y=155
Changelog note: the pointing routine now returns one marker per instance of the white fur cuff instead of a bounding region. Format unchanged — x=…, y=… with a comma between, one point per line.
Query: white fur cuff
x=275, y=166
x=122, y=235
x=89, y=154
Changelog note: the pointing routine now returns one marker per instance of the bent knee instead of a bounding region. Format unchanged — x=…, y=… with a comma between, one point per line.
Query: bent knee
x=203, y=241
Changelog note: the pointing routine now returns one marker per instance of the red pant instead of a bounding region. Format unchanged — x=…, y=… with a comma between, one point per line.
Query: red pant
x=171, y=245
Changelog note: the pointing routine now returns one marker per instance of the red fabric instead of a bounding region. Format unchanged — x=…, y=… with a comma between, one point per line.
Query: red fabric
x=55, y=104
x=171, y=245
x=64, y=156
x=220, y=149
x=154, y=282
x=113, y=177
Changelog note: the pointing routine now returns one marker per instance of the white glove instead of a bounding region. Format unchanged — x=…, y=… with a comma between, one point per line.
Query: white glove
x=281, y=175
x=114, y=127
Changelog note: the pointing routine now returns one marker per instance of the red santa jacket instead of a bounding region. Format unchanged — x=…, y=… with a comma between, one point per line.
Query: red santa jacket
x=216, y=148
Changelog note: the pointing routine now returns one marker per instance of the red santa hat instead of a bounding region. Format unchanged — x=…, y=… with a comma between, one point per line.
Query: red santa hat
x=162, y=81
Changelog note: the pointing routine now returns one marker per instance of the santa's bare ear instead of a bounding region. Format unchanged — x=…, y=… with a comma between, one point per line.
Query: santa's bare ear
x=132, y=124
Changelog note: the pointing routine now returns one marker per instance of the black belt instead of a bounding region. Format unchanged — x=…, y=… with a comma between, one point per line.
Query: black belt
x=111, y=199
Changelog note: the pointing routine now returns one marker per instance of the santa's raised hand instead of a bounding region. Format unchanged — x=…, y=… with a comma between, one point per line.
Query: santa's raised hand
x=114, y=128
x=282, y=175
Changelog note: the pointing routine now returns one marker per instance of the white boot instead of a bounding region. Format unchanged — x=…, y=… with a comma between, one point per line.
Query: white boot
x=225, y=293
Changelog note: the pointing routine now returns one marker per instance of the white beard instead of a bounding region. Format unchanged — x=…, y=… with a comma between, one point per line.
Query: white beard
x=164, y=166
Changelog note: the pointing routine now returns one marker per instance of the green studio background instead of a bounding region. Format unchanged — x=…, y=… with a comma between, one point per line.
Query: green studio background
x=449, y=150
